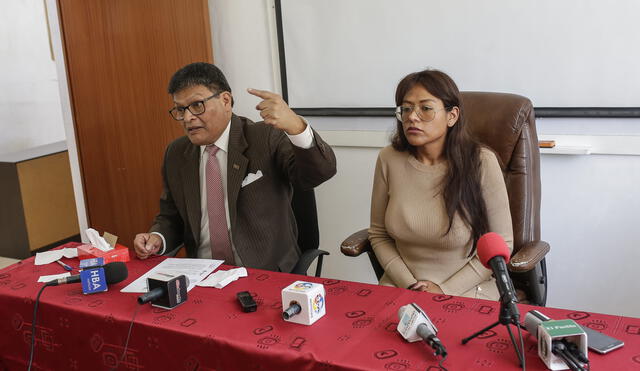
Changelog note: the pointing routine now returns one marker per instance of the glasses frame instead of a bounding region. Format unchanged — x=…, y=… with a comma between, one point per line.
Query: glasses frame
x=188, y=107
x=398, y=112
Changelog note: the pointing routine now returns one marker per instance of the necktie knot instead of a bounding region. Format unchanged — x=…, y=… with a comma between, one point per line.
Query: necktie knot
x=212, y=149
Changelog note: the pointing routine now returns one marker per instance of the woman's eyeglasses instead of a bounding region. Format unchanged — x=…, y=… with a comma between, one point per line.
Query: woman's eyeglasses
x=424, y=112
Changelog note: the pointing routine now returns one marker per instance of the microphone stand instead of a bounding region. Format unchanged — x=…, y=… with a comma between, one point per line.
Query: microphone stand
x=508, y=316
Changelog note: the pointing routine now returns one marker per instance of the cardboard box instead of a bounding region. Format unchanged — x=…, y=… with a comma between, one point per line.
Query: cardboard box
x=118, y=254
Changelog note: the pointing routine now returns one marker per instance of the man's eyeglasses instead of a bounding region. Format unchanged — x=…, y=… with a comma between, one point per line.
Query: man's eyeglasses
x=196, y=108
x=424, y=112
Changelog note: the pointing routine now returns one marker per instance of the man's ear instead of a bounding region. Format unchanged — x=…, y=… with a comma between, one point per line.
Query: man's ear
x=452, y=116
x=226, y=99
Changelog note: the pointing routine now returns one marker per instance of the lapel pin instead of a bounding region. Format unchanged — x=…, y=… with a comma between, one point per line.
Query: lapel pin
x=236, y=166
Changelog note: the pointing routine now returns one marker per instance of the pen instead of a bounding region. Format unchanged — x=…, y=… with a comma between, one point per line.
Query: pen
x=66, y=267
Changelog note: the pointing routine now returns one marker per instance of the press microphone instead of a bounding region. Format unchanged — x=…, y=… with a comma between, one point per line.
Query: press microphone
x=165, y=290
x=534, y=318
x=560, y=343
x=415, y=325
x=95, y=279
x=494, y=254
x=304, y=302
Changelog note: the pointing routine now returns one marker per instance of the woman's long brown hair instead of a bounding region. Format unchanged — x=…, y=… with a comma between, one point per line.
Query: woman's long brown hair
x=461, y=189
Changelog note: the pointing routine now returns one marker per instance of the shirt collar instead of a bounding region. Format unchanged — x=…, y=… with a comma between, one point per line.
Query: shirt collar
x=222, y=142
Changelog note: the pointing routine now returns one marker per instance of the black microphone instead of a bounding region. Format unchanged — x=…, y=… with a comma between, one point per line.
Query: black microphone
x=114, y=272
x=165, y=290
x=494, y=254
x=560, y=349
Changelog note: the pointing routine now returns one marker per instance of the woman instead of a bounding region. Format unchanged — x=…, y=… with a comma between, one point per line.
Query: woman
x=435, y=192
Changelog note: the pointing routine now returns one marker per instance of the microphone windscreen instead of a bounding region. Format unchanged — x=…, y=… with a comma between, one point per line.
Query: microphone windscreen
x=115, y=272
x=491, y=245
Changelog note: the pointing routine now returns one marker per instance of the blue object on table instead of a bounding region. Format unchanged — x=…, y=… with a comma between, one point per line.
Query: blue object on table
x=65, y=266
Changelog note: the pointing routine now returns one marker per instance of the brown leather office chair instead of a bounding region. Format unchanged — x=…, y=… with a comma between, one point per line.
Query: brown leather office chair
x=505, y=123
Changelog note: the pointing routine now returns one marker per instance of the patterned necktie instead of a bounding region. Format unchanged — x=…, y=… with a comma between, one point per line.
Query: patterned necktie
x=218, y=231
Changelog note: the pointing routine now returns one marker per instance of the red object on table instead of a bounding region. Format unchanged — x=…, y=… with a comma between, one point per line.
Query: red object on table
x=210, y=332
x=118, y=254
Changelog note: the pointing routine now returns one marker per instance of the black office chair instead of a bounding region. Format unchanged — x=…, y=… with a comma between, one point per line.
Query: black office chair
x=505, y=123
x=305, y=211
x=304, y=208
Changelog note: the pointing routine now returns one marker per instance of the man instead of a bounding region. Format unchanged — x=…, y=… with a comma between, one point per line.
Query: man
x=227, y=184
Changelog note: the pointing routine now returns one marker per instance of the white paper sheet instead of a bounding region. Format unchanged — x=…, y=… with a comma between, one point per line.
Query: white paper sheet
x=221, y=279
x=53, y=277
x=50, y=256
x=194, y=269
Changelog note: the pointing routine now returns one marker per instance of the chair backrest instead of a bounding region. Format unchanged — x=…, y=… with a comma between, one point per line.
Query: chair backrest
x=305, y=211
x=303, y=203
x=506, y=124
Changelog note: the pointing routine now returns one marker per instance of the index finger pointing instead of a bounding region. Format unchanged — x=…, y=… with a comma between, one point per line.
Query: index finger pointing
x=264, y=94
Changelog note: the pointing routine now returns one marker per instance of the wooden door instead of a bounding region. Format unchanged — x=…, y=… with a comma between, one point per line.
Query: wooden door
x=120, y=55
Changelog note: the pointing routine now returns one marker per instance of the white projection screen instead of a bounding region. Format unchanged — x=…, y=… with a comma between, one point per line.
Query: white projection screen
x=559, y=53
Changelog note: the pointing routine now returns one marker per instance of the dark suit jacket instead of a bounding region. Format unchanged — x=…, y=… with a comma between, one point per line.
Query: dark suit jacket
x=263, y=226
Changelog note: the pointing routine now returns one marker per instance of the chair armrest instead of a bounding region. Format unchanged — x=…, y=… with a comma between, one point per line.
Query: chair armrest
x=528, y=256
x=305, y=260
x=356, y=244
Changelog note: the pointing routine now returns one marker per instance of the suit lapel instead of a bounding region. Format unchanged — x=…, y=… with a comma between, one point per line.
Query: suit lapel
x=191, y=185
x=236, y=164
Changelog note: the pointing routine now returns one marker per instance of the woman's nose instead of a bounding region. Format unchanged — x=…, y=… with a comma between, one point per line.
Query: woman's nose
x=414, y=117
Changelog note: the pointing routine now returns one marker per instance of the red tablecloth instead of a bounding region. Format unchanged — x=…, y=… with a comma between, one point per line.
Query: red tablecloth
x=209, y=332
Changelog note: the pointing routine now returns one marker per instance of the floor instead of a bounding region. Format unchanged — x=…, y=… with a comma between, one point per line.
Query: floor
x=5, y=262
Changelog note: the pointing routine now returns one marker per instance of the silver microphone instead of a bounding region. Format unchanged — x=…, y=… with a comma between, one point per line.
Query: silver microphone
x=415, y=325
x=531, y=321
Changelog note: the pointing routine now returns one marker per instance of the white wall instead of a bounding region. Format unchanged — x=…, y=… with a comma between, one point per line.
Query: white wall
x=30, y=112
x=242, y=35
x=589, y=202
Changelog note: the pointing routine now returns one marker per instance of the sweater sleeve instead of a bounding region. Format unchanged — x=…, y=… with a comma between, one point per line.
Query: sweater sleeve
x=494, y=192
x=382, y=243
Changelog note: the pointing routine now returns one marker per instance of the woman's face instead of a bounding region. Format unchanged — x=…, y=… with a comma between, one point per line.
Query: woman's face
x=426, y=121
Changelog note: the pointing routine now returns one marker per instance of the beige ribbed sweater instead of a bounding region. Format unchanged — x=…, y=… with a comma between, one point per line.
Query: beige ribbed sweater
x=408, y=222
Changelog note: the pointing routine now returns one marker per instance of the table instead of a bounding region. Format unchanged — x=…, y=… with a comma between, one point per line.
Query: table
x=209, y=332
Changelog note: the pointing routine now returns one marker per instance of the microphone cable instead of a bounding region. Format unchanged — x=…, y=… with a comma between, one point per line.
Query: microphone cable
x=439, y=352
x=444, y=356
x=521, y=346
x=33, y=323
x=126, y=343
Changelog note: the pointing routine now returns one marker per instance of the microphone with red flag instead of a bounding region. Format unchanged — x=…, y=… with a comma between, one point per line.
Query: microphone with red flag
x=494, y=254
